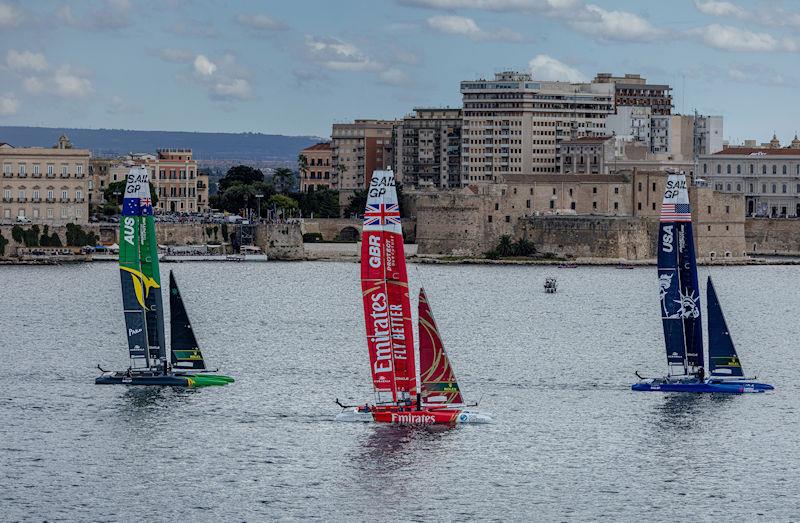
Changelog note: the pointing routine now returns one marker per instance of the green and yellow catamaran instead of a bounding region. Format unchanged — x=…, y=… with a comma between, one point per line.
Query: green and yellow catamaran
x=184, y=366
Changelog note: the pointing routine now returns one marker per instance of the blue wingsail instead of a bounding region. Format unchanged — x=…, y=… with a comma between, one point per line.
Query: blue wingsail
x=677, y=275
x=722, y=357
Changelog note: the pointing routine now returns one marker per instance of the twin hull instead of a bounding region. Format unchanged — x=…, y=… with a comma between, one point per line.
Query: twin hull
x=414, y=417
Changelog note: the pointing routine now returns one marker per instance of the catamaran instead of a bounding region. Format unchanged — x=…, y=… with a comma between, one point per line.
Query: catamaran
x=680, y=311
x=142, y=304
x=390, y=338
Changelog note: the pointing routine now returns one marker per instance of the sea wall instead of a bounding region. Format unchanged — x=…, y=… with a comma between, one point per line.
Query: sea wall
x=279, y=241
x=345, y=229
x=772, y=235
x=588, y=236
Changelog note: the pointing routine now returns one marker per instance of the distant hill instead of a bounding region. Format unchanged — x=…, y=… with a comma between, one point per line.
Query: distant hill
x=211, y=147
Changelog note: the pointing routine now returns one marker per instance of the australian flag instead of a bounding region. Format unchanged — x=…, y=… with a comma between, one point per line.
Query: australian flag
x=137, y=207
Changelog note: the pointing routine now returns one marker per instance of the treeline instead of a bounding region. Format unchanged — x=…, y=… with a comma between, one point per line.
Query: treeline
x=35, y=237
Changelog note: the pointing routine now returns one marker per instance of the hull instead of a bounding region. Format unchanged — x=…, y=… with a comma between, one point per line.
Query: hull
x=163, y=380
x=426, y=416
x=708, y=386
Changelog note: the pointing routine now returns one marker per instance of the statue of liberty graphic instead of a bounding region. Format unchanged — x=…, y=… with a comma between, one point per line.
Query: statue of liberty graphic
x=664, y=283
x=690, y=305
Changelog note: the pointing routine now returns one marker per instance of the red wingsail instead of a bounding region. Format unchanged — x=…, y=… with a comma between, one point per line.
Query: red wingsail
x=438, y=380
x=384, y=285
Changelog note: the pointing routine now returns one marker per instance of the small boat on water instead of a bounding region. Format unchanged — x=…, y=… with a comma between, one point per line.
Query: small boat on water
x=142, y=305
x=390, y=338
x=680, y=311
x=550, y=285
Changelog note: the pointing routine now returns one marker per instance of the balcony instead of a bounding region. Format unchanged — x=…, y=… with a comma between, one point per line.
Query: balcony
x=36, y=175
x=7, y=175
x=50, y=200
x=78, y=200
x=64, y=175
x=36, y=200
x=79, y=175
x=64, y=200
x=23, y=175
x=51, y=175
x=7, y=200
x=22, y=200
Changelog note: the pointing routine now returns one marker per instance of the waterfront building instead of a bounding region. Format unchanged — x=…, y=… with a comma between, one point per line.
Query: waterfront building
x=768, y=177
x=632, y=90
x=315, y=171
x=178, y=184
x=427, y=148
x=586, y=155
x=45, y=185
x=514, y=124
x=358, y=149
x=98, y=180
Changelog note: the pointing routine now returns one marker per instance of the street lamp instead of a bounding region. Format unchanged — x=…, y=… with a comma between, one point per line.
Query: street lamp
x=258, y=199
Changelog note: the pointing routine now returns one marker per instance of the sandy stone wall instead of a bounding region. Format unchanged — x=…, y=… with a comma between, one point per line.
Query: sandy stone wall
x=772, y=235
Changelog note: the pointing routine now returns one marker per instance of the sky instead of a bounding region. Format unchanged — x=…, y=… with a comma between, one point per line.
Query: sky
x=295, y=67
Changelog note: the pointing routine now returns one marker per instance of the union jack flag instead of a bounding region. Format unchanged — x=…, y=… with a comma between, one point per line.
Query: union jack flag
x=382, y=214
x=144, y=202
x=676, y=212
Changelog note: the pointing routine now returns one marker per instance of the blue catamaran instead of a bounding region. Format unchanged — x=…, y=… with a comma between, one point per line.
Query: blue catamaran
x=680, y=311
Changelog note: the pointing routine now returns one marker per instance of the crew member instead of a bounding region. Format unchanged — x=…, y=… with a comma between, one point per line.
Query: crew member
x=701, y=374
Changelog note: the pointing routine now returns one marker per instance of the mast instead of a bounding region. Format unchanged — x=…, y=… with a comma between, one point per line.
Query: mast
x=384, y=285
x=184, y=349
x=722, y=357
x=155, y=310
x=438, y=381
x=677, y=275
x=136, y=286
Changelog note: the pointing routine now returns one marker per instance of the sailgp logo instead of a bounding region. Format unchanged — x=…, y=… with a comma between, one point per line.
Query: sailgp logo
x=132, y=332
x=128, y=229
x=141, y=285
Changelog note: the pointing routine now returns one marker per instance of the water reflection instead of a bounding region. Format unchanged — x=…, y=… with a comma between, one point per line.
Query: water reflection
x=687, y=411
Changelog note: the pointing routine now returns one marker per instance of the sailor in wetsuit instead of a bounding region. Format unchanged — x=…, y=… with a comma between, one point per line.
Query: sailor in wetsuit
x=701, y=374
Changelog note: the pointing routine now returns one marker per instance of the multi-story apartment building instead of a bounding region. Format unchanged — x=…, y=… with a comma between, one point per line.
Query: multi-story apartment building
x=514, y=124
x=98, y=180
x=175, y=177
x=45, y=185
x=427, y=148
x=768, y=177
x=357, y=149
x=632, y=90
x=315, y=173
x=586, y=155
x=683, y=136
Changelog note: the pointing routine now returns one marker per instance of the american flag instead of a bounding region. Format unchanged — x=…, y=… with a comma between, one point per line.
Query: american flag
x=382, y=214
x=676, y=212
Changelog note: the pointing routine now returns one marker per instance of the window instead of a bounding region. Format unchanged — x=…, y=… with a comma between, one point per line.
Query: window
x=751, y=187
x=49, y=169
x=79, y=170
x=616, y=190
x=50, y=194
x=528, y=204
x=7, y=194
x=763, y=169
x=22, y=169
x=728, y=169
x=6, y=169
x=654, y=186
x=774, y=169
x=738, y=187
x=751, y=168
x=654, y=206
x=554, y=192
x=64, y=212
x=91, y=185
x=774, y=188
x=727, y=209
x=7, y=213
x=36, y=195
x=594, y=205
x=705, y=168
x=719, y=169
x=64, y=171
x=508, y=219
x=640, y=186
x=763, y=187
x=78, y=212
x=728, y=187
x=572, y=205
x=79, y=195
x=616, y=206
x=552, y=204
x=21, y=195
x=50, y=213
x=739, y=169
x=784, y=169
x=36, y=169
x=497, y=207
x=489, y=219
x=594, y=190
x=640, y=206
x=709, y=209
x=36, y=212
x=709, y=228
x=64, y=195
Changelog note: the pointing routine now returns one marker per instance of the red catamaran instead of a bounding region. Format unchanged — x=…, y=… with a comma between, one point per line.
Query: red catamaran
x=390, y=336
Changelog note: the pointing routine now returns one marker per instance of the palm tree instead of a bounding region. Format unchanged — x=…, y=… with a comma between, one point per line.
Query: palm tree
x=505, y=247
x=283, y=178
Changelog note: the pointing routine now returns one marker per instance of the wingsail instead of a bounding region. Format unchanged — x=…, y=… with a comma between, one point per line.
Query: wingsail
x=438, y=383
x=384, y=285
x=722, y=357
x=136, y=285
x=677, y=275
x=185, y=353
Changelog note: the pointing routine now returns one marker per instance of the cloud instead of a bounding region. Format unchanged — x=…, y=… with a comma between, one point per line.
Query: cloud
x=463, y=26
x=10, y=16
x=546, y=67
x=311, y=78
x=111, y=16
x=177, y=56
x=735, y=39
x=393, y=76
x=338, y=55
x=715, y=8
x=260, y=23
x=9, y=105
x=614, y=25
x=230, y=88
x=203, y=66
x=25, y=60
x=494, y=5
x=65, y=82
x=119, y=105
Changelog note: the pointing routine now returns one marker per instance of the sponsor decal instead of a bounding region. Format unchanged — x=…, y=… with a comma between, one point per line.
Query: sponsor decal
x=141, y=285
x=132, y=332
x=381, y=329
x=413, y=419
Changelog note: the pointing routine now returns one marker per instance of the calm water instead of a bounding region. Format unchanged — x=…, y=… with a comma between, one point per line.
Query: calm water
x=570, y=440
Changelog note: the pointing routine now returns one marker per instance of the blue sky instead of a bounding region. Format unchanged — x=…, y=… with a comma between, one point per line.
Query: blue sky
x=294, y=67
